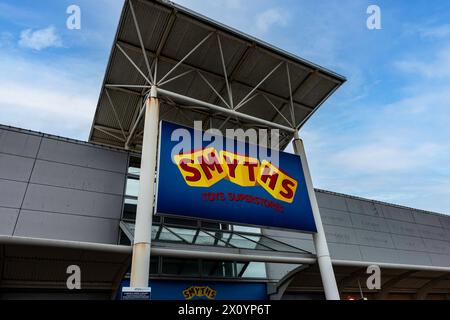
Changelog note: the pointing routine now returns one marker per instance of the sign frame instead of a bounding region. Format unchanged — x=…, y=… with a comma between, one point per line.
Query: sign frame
x=222, y=221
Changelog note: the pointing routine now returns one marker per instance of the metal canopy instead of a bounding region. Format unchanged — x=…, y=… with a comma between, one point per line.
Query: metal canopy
x=213, y=238
x=400, y=282
x=197, y=63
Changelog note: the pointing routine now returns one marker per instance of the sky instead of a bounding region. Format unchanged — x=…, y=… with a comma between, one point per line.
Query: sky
x=384, y=135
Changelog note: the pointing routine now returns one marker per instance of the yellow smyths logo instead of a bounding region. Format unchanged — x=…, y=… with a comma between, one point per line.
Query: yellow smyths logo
x=200, y=292
x=206, y=167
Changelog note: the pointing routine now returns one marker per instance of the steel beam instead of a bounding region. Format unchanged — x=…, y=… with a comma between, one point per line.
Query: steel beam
x=133, y=63
x=187, y=65
x=223, y=110
x=210, y=255
x=186, y=56
x=115, y=113
x=141, y=42
x=244, y=100
x=135, y=125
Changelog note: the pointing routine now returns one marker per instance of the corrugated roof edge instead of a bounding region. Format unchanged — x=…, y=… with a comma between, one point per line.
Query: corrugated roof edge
x=246, y=37
x=218, y=25
x=381, y=202
x=56, y=137
x=108, y=64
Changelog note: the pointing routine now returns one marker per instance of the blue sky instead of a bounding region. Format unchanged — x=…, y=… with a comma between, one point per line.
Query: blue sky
x=384, y=135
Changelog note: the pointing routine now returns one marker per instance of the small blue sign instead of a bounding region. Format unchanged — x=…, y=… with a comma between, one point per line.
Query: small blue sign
x=205, y=290
x=231, y=186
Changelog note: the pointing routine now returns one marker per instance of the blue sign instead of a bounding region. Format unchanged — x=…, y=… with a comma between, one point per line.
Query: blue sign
x=215, y=182
x=205, y=290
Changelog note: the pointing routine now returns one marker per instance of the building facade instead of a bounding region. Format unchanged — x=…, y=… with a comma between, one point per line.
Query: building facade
x=65, y=202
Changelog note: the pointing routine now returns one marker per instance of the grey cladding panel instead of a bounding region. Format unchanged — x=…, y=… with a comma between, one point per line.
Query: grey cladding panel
x=410, y=257
x=369, y=223
x=396, y=213
x=335, y=217
x=66, y=227
x=372, y=254
x=340, y=234
x=408, y=243
x=69, y=176
x=11, y=194
x=374, y=239
x=83, y=155
x=330, y=201
x=404, y=228
x=440, y=260
x=7, y=220
x=427, y=219
x=363, y=207
x=22, y=144
x=435, y=233
x=15, y=167
x=445, y=222
x=437, y=246
x=55, y=199
x=344, y=251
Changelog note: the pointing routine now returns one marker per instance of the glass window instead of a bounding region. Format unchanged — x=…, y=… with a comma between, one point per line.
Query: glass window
x=235, y=240
x=210, y=225
x=154, y=262
x=134, y=166
x=155, y=230
x=204, y=238
x=134, y=171
x=124, y=240
x=242, y=243
x=217, y=269
x=130, y=227
x=186, y=234
x=247, y=229
x=166, y=235
x=181, y=267
x=251, y=270
x=129, y=209
x=276, y=245
x=132, y=188
x=180, y=221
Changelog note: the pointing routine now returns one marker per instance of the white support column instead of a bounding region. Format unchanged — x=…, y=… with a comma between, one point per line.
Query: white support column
x=140, y=265
x=320, y=241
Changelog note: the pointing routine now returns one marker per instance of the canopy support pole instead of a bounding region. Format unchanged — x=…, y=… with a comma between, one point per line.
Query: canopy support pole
x=140, y=265
x=320, y=242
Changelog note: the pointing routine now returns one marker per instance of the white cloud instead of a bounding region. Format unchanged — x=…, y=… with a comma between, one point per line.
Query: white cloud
x=382, y=157
x=40, y=39
x=6, y=39
x=57, y=97
x=441, y=31
x=270, y=18
x=395, y=149
x=436, y=66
